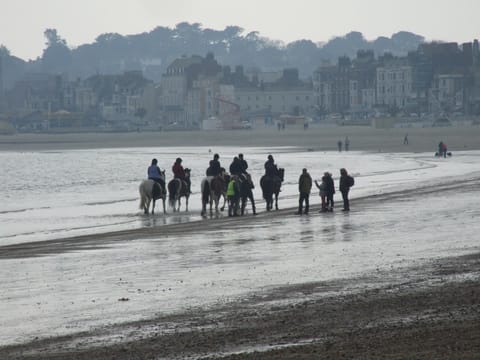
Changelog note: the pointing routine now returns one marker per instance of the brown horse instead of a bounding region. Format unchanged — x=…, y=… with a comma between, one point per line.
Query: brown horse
x=271, y=187
x=178, y=188
x=212, y=191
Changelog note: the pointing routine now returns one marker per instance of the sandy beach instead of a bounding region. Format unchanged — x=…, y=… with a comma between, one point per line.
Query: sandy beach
x=315, y=138
x=428, y=309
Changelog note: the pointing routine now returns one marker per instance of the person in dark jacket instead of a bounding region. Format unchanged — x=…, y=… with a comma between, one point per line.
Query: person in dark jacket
x=304, y=187
x=236, y=167
x=214, y=168
x=271, y=169
x=243, y=163
x=345, y=188
x=329, y=190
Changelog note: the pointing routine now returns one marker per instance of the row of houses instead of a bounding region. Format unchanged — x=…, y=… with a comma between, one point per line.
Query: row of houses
x=436, y=78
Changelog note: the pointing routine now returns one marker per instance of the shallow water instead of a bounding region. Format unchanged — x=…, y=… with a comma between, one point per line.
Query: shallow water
x=139, y=278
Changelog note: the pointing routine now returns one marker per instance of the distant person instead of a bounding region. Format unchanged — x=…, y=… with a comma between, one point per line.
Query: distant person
x=347, y=143
x=440, y=148
x=444, y=150
x=346, y=182
x=339, y=145
x=279, y=126
x=304, y=187
x=405, y=139
x=154, y=173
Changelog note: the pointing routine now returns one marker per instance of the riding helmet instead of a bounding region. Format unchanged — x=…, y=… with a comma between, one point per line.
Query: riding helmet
x=178, y=161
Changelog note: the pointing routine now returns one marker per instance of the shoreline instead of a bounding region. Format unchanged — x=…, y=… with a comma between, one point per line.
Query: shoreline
x=362, y=138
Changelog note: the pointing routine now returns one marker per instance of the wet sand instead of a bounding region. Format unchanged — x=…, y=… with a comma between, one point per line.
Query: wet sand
x=318, y=138
x=431, y=310
x=427, y=310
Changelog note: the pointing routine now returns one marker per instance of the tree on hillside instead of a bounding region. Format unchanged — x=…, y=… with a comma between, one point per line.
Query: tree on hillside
x=56, y=57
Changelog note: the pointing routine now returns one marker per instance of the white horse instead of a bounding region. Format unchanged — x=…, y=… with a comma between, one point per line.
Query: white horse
x=150, y=191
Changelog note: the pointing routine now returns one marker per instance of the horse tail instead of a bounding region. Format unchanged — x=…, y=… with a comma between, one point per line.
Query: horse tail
x=171, y=193
x=205, y=191
x=143, y=198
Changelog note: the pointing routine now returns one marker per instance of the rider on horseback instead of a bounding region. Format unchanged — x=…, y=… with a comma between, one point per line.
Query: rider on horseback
x=243, y=163
x=155, y=174
x=271, y=170
x=236, y=167
x=179, y=173
x=215, y=168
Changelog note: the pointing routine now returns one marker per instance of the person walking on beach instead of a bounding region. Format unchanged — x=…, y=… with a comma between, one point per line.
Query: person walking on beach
x=339, y=144
x=405, y=139
x=346, y=182
x=347, y=143
x=329, y=190
x=304, y=187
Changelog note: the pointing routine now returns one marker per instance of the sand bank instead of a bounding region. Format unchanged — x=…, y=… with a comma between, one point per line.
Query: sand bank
x=319, y=138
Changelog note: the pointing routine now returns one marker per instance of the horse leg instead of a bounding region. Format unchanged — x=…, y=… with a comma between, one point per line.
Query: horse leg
x=186, y=202
x=153, y=206
x=164, y=209
x=276, y=201
x=179, y=203
x=252, y=200
x=224, y=201
x=147, y=206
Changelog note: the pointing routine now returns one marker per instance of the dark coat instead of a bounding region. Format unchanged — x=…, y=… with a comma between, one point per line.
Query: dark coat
x=214, y=169
x=344, y=183
x=305, y=183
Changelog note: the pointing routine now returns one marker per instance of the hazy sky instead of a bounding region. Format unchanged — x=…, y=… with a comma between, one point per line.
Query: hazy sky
x=22, y=22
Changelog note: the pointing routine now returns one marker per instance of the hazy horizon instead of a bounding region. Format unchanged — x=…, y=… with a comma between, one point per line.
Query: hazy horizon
x=81, y=22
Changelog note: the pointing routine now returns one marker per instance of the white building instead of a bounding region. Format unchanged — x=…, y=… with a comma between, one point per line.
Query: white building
x=293, y=101
x=394, y=85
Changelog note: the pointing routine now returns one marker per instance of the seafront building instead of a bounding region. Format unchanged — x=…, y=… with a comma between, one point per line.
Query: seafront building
x=438, y=79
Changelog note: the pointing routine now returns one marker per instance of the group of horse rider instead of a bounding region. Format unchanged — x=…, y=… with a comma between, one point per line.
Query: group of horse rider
x=154, y=173
x=238, y=173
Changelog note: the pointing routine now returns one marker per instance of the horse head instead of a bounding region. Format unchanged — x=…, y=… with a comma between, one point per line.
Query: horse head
x=187, y=172
x=281, y=173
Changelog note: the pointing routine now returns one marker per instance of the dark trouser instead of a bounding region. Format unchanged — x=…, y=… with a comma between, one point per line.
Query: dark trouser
x=330, y=201
x=233, y=205
x=159, y=181
x=346, y=203
x=303, y=197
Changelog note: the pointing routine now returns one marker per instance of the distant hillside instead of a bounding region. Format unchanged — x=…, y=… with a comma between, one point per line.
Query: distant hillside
x=152, y=51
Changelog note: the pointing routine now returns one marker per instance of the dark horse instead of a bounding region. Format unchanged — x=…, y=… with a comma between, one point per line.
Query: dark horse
x=246, y=193
x=212, y=191
x=178, y=188
x=271, y=186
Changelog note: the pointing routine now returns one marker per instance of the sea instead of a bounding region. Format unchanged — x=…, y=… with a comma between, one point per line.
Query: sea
x=406, y=208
